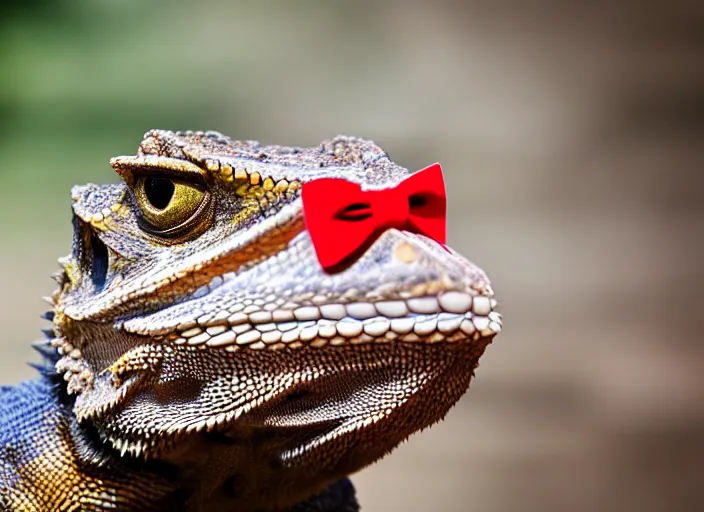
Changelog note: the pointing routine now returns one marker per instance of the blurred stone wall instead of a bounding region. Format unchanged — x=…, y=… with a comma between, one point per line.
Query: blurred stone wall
x=571, y=134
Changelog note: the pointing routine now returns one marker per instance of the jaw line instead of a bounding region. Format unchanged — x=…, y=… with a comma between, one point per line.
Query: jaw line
x=397, y=375
x=273, y=290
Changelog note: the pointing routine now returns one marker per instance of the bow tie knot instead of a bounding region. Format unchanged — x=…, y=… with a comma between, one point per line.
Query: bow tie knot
x=343, y=220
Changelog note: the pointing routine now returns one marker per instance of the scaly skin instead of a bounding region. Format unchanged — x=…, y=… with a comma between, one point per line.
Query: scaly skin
x=208, y=361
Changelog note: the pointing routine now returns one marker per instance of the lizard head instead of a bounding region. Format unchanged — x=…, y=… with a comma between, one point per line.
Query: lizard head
x=196, y=326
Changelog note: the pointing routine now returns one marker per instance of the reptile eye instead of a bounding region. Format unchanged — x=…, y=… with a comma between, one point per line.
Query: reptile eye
x=171, y=208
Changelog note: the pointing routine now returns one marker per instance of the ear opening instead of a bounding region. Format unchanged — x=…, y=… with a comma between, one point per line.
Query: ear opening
x=91, y=252
x=99, y=262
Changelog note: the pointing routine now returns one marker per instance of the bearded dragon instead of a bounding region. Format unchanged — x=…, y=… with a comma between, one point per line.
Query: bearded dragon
x=200, y=358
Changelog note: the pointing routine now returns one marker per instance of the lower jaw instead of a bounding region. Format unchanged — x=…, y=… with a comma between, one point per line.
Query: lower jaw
x=391, y=392
x=341, y=388
x=429, y=328
x=373, y=418
x=320, y=429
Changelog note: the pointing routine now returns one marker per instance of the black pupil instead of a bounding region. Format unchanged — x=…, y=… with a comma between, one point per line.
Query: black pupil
x=159, y=191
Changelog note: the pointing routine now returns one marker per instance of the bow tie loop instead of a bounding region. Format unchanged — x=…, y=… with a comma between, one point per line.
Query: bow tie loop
x=343, y=220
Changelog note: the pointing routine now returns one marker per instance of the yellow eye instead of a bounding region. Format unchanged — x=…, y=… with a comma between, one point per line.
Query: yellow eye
x=172, y=208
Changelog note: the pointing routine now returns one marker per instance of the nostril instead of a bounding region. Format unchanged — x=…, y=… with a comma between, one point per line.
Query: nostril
x=405, y=252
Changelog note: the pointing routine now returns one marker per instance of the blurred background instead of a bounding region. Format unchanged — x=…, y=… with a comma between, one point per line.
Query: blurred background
x=571, y=134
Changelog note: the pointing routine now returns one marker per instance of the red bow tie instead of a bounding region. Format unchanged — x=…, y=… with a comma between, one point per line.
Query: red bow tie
x=343, y=220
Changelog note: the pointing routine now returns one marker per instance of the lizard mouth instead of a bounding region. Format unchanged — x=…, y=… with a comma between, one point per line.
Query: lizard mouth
x=451, y=317
x=405, y=289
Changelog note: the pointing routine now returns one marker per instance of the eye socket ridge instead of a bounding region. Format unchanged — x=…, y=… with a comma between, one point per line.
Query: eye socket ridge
x=170, y=208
